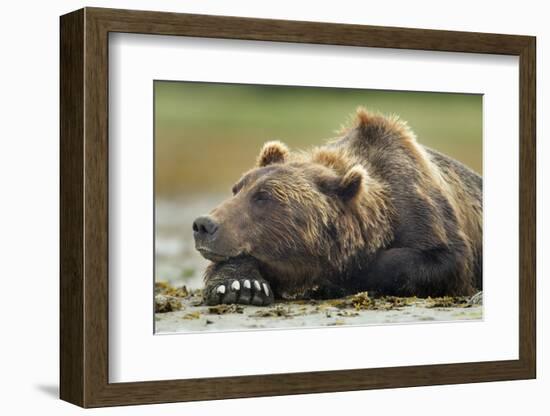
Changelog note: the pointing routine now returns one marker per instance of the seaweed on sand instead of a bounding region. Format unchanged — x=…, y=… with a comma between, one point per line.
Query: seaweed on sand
x=225, y=309
x=277, y=311
x=164, y=303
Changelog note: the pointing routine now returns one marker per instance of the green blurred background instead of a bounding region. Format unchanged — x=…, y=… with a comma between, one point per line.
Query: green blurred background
x=207, y=134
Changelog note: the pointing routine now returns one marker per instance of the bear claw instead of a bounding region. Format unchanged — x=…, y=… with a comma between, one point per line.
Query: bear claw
x=240, y=291
x=236, y=281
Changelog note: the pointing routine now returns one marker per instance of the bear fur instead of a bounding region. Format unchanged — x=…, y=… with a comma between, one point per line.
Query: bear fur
x=372, y=210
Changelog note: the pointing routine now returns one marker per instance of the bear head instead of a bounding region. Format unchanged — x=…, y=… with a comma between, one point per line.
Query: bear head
x=297, y=213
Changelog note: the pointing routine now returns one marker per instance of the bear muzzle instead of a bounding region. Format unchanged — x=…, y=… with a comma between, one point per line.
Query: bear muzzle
x=206, y=233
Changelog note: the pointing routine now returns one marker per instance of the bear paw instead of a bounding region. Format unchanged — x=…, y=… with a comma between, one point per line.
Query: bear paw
x=242, y=291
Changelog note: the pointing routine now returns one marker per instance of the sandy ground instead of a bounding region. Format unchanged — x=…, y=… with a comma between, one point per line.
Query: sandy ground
x=191, y=315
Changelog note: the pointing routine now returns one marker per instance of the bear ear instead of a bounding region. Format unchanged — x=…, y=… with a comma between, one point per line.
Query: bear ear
x=352, y=183
x=272, y=152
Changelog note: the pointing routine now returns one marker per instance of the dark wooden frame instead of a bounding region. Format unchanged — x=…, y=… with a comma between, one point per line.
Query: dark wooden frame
x=84, y=207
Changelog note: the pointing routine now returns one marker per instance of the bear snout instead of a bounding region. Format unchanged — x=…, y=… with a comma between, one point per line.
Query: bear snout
x=204, y=227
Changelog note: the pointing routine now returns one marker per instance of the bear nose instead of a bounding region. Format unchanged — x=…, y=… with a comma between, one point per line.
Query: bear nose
x=205, y=225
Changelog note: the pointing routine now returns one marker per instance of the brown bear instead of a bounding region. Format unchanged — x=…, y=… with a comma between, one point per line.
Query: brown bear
x=372, y=210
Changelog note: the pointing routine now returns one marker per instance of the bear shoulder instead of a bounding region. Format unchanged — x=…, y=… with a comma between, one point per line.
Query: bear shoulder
x=375, y=131
x=387, y=144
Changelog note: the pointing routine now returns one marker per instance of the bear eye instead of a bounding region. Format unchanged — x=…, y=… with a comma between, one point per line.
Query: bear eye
x=261, y=196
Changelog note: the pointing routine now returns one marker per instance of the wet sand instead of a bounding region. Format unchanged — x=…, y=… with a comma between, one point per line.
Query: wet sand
x=188, y=314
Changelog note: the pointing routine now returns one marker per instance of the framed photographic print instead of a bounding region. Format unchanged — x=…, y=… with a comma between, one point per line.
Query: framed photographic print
x=255, y=207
